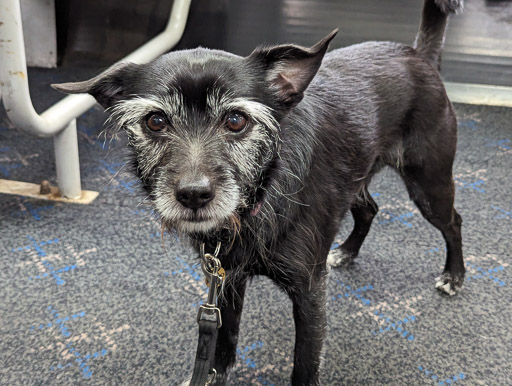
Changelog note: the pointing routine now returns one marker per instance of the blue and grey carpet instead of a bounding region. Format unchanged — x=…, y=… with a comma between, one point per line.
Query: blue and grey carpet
x=92, y=295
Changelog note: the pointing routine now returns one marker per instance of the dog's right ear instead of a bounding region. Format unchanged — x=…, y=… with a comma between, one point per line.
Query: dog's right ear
x=290, y=68
x=109, y=87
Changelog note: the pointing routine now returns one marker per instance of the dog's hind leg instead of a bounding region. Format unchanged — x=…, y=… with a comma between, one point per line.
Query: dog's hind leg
x=432, y=190
x=363, y=211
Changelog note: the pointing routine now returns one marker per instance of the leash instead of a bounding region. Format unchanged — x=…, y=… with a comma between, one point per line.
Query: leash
x=209, y=320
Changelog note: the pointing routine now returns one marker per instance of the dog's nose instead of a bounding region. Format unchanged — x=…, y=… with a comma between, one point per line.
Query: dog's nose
x=195, y=194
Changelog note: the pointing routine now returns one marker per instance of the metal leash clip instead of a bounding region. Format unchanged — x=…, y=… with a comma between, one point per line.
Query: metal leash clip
x=214, y=277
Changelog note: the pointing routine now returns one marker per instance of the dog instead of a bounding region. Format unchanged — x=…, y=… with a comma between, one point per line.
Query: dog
x=267, y=153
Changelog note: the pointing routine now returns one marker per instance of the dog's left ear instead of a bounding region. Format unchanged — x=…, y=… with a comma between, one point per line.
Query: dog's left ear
x=290, y=68
x=108, y=87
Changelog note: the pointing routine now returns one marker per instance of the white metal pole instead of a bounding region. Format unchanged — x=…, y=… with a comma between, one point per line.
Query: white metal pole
x=67, y=162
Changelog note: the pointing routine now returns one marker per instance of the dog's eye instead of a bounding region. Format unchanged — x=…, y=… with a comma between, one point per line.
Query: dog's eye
x=156, y=122
x=236, y=121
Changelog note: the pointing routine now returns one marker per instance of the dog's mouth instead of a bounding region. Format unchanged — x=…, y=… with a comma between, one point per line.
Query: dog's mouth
x=203, y=221
x=194, y=221
x=195, y=216
x=206, y=220
x=198, y=226
x=193, y=225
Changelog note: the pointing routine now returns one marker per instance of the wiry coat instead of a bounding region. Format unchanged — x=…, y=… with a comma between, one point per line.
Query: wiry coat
x=319, y=127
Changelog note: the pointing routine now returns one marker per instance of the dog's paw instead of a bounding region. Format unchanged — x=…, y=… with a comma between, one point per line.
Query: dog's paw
x=450, y=6
x=448, y=284
x=220, y=380
x=339, y=258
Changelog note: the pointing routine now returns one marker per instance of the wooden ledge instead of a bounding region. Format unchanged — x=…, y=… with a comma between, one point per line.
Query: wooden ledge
x=33, y=190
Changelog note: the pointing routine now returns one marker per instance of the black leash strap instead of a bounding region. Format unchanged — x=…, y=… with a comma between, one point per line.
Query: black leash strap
x=203, y=372
x=209, y=321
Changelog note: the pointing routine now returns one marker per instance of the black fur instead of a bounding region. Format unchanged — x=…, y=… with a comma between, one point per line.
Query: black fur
x=334, y=122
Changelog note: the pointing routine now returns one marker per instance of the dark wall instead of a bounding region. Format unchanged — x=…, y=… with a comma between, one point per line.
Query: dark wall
x=101, y=32
x=97, y=33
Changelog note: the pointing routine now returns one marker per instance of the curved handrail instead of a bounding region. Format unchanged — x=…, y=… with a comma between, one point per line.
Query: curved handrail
x=13, y=71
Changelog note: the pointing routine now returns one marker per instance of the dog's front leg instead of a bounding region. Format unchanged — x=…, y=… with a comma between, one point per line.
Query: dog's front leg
x=310, y=324
x=227, y=339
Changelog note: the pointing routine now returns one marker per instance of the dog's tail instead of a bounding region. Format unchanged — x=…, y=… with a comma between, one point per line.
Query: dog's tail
x=430, y=38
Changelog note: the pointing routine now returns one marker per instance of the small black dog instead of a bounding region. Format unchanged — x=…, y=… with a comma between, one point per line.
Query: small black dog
x=267, y=153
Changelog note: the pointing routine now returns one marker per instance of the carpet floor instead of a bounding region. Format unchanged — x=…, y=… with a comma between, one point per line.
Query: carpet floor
x=95, y=295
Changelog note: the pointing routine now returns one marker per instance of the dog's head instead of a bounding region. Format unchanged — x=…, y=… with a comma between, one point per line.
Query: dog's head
x=204, y=125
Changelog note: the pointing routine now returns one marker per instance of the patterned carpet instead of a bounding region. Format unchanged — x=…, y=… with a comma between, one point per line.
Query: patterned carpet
x=94, y=295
